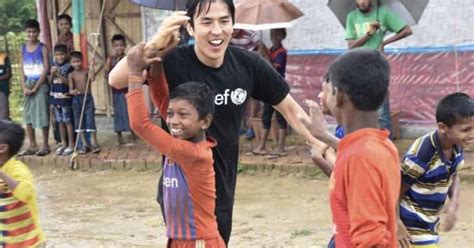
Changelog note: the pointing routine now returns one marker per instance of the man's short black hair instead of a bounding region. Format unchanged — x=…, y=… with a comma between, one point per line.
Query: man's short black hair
x=454, y=108
x=197, y=7
x=12, y=134
x=32, y=23
x=60, y=48
x=363, y=74
x=198, y=94
x=76, y=54
x=65, y=17
x=118, y=37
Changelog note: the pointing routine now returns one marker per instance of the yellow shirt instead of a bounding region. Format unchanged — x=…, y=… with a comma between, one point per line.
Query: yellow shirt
x=19, y=220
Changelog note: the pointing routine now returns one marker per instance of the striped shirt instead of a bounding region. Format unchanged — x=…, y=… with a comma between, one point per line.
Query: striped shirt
x=429, y=175
x=19, y=222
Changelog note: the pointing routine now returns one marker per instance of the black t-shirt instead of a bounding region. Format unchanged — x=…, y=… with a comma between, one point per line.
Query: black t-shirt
x=242, y=74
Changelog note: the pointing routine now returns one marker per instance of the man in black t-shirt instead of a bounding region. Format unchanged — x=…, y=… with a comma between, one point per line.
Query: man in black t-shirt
x=235, y=75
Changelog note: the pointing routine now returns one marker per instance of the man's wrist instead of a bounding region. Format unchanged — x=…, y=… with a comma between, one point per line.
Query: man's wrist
x=135, y=77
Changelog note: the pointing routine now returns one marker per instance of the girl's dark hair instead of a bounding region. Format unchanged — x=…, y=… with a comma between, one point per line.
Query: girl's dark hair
x=198, y=94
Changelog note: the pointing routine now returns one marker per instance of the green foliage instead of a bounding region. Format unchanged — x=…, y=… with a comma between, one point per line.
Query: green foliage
x=16, y=97
x=14, y=13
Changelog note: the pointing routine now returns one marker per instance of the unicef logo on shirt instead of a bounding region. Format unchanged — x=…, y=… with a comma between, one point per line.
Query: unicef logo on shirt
x=238, y=96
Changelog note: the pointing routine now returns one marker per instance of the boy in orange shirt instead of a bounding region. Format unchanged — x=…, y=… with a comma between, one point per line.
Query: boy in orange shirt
x=188, y=173
x=365, y=180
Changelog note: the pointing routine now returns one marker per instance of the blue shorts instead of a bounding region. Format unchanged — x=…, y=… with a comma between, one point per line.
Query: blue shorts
x=63, y=114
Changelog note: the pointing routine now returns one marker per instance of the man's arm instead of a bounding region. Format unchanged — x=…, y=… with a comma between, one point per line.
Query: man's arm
x=405, y=32
x=292, y=112
x=44, y=74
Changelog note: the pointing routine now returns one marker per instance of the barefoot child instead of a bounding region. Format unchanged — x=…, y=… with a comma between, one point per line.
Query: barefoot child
x=78, y=87
x=277, y=57
x=35, y=68
x=188, y=174
x=19, y=218
x=121, y=121
x=429, y=174
x=60, y=100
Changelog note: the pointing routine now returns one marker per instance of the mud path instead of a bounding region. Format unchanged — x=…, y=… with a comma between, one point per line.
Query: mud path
x=117, y=209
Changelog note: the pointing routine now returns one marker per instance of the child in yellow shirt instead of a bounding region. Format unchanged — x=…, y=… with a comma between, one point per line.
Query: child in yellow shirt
x=19, y=222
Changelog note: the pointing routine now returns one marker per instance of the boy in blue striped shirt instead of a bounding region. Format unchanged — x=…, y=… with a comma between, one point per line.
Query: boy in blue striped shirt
x=429, y=173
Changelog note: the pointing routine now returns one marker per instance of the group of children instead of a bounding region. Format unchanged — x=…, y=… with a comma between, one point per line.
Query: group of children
x=363, y=190
x=62, y=90
x=372, y=197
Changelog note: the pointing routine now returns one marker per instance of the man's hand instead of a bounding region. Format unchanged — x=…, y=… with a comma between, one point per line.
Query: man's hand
x=317, y=124
x=373, y=27
x=402, y=235
x=451, y=215
x=136, y=60
x=167, y=36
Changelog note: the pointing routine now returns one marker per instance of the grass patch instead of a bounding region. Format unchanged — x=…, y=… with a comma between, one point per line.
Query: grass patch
x=301, y=232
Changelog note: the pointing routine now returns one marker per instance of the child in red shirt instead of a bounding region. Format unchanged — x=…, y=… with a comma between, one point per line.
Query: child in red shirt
x=188, y=173
x=365, y=181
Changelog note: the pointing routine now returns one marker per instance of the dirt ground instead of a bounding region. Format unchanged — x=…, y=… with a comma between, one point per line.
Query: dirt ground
x=117, y=209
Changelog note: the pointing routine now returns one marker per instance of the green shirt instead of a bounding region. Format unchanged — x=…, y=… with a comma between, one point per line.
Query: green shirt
x=357, y=25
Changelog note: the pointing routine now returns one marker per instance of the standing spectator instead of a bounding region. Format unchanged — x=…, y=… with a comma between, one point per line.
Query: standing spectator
x=35, y=68
x=65, y=36
x=367, y=26
x=5, y=75
x=277, y=57
x=78, y=86
x=121, y=121
x=61, y=101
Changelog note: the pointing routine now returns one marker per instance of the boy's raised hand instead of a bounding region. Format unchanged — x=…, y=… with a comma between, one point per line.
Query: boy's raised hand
x=167, y=36
x=136, y=60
